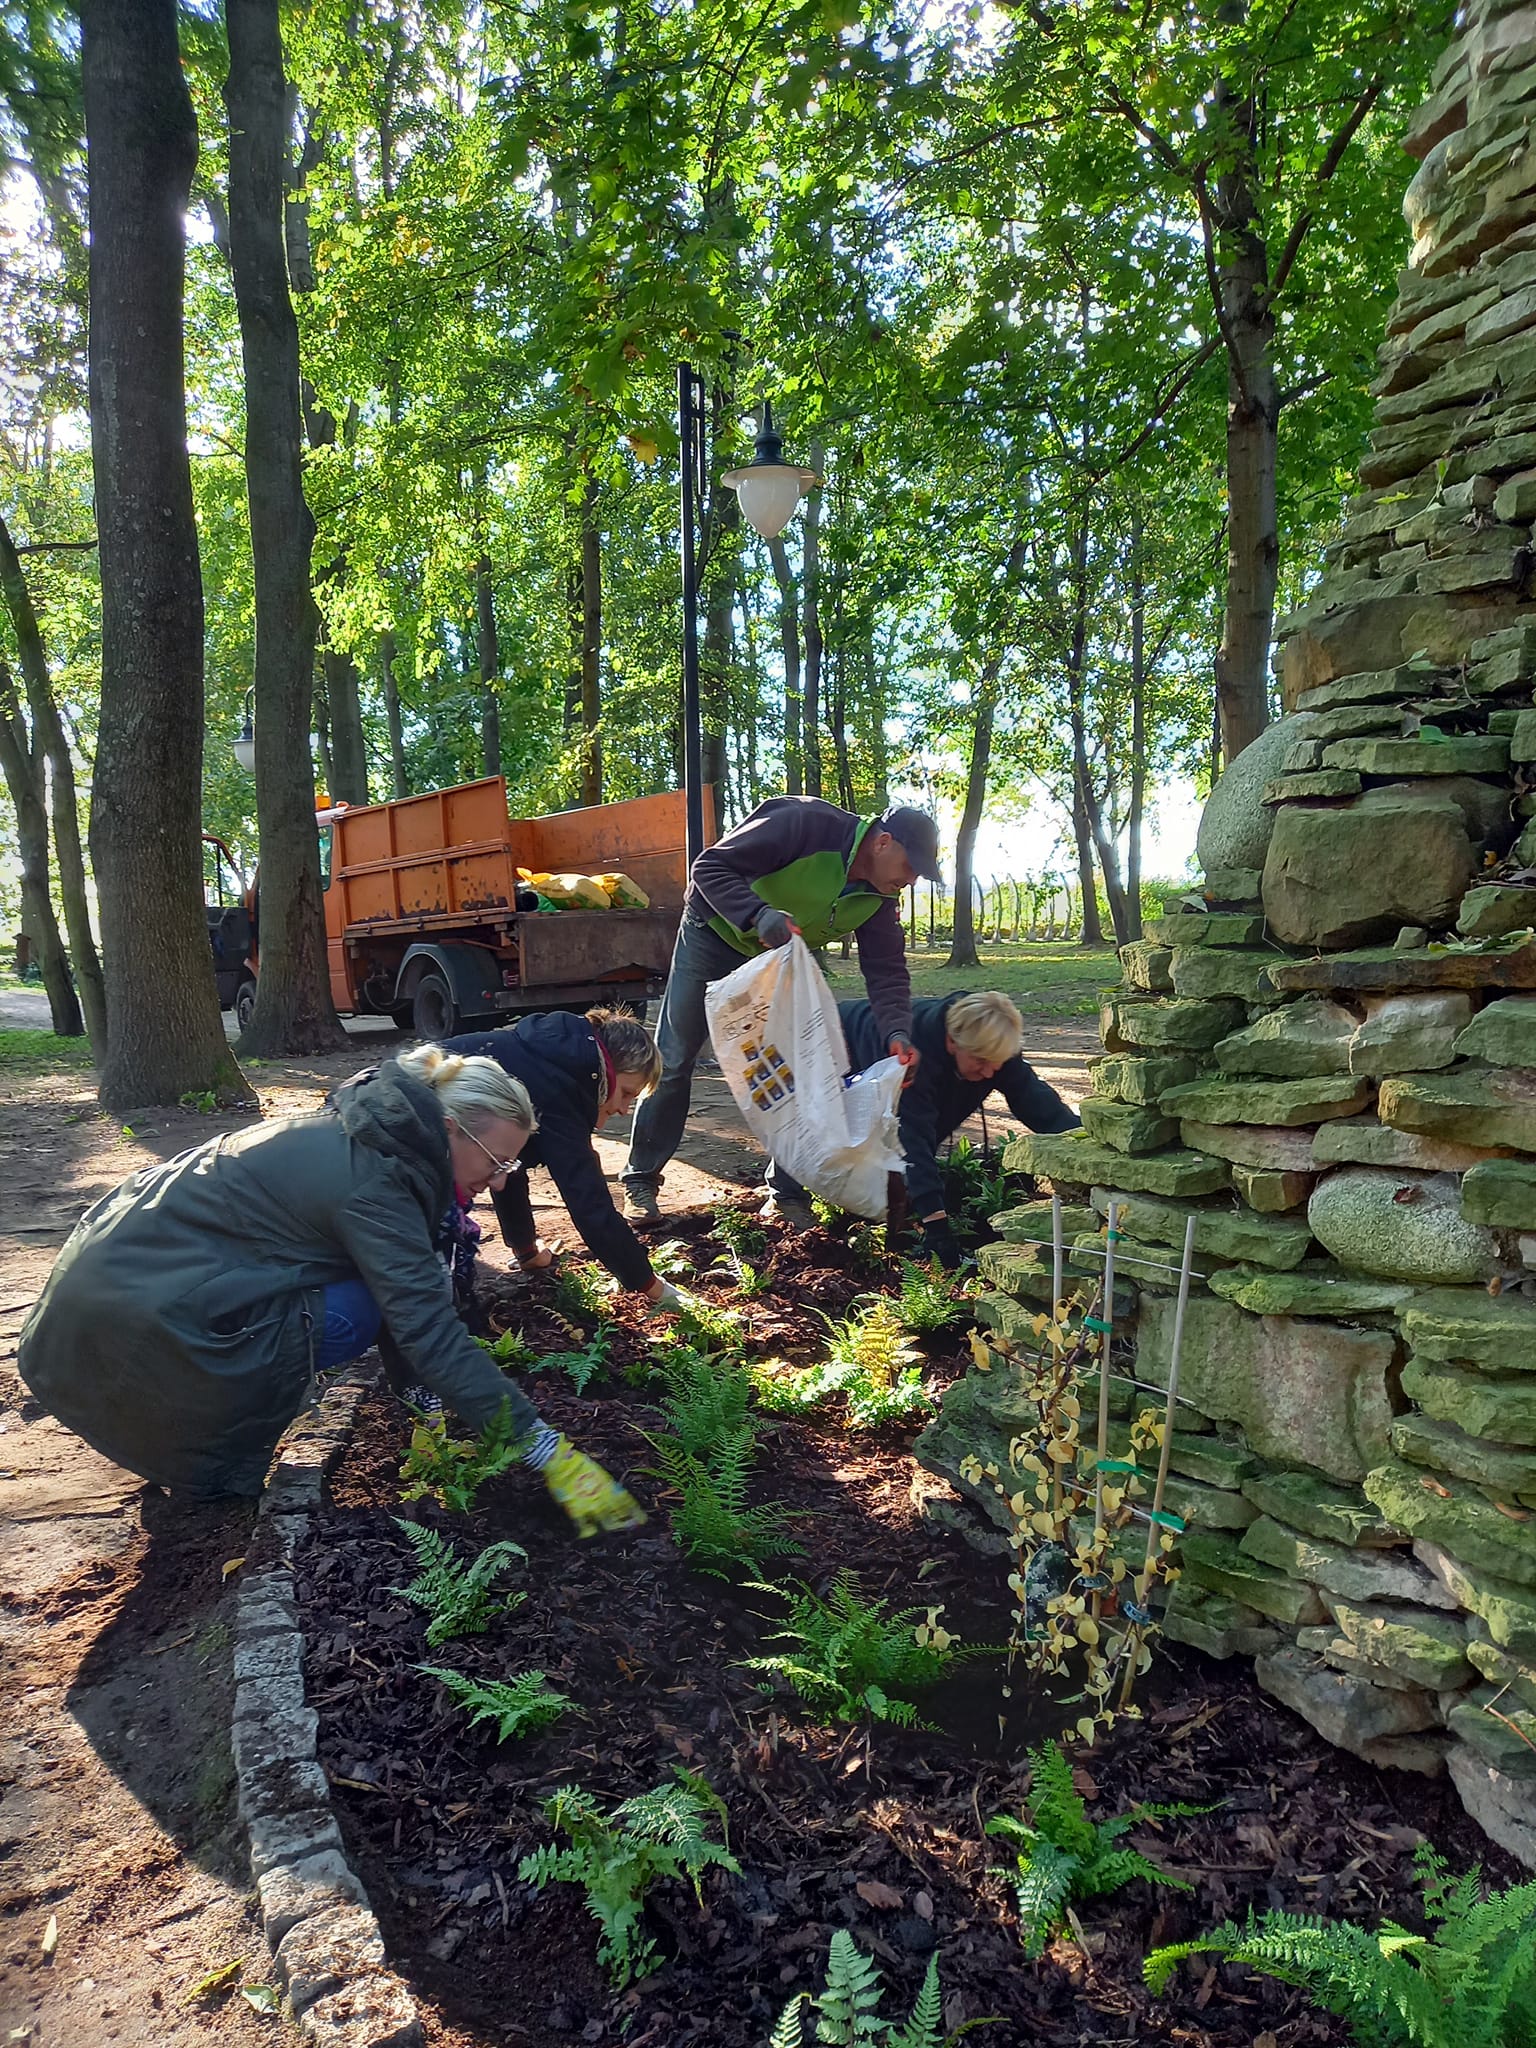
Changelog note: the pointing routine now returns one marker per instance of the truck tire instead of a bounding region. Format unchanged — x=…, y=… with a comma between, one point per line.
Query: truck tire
x=245, y=1003
x=434, y=1014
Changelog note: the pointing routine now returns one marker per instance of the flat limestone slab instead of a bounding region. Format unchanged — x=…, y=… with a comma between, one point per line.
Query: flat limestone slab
x=1503, y=1033
x=1503, y=1471
x=1366, y=1141
x=1220, y=1233
x=1210, y=928
x=1455, y=1517
x=1278, y=1103
x=1123, y=1077
x=1489, y=1106
x=1216, y=1562
x=1308, y=1294
x=1125, y=1126
x=1170, y=1026
x=1335, y=1514
x=1469, y=1326
x=1381, y=970
x=1270, y=1190
x=1501, y=1192
x=1300, y=1041
x=1270, y=1146
x=1496, y=1406
x=1471, y=756
x=1073, y=1157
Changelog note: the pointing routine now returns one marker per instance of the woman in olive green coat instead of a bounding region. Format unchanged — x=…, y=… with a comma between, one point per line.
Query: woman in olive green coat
x=180, y=1330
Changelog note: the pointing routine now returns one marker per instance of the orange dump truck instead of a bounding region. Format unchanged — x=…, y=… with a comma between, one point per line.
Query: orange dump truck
x=422, y=917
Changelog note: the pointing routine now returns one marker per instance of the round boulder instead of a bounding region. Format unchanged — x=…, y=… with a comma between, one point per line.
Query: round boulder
x=1401, y=1226
x=1235, y=824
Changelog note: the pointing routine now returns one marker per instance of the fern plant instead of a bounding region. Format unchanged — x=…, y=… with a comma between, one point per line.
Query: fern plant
x=1063, y=1856
x=1472, y=1985
x=847, y=2009
x=929, y=1299
x=712, y=1520
x=518, y=1706
x=742, y=1236
x=876, y=1365
x=617, y=1857
x=849, y=1656
x=707, y=1324
x=672, y=1259
x=582, y=1290
x=457, y=1596
x=975, y=1184
x=510, y=1349
x=706, y=1403
x=580, y=1366
x=453, y=1469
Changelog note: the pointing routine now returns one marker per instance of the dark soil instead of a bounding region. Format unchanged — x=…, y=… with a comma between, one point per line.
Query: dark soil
x=879, y=1830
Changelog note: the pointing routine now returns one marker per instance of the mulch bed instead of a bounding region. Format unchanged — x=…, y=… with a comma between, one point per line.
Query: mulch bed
x=878, y=1831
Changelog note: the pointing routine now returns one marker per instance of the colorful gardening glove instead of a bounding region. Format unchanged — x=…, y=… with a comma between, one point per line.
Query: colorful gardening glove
x=594, y=1502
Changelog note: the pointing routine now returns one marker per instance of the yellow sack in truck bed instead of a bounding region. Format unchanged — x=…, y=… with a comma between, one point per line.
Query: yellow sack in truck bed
x=624, y=894
x=570, y=892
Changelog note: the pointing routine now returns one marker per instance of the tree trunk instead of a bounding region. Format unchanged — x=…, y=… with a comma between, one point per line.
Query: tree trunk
x=1138, y=731
x=721, y=552
x=349, y=747
x=810, y=563
x=591, y=648
x=789, y=641
x=53, y=742
x=1253, y=413
x=21, y=762
x=962, y=951
x=323, y=732
x=389, y=689
x=294, y=1011
x=165, y=1036
x=488, y=655
x=874, y=699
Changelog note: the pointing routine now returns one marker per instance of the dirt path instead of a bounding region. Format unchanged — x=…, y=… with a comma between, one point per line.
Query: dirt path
x=117, y=1819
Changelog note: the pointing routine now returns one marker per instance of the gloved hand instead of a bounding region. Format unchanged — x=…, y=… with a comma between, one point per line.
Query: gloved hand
x=594, y=1502
x=775, y=927
x=939, y=1243
x=666, y=1301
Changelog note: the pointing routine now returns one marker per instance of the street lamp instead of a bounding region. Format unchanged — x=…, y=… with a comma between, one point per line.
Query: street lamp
x=245, y=746
x=769, y=489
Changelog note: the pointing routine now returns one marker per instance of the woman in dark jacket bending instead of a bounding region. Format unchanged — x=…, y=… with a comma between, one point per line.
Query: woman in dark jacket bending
x=579, y=1072
x=186, y=1316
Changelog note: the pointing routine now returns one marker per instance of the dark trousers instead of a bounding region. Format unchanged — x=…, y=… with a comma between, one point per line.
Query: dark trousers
x=699, y=957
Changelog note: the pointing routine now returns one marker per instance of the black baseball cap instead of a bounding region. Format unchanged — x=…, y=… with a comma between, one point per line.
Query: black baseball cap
x=916, y=832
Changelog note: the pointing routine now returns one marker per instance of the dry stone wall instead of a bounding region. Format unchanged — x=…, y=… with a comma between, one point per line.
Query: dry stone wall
x=1327, y=1054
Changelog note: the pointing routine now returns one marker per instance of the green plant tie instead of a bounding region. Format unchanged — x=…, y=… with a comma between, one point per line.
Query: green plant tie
x=1119, y=1465
x=1093, y=1323
x=1165, y=1520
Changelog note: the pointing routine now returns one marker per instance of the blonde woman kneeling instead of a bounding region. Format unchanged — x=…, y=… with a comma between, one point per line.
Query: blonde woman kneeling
x=182, y=1325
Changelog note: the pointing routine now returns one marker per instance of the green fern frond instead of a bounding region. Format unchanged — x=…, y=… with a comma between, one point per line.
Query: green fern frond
x=1044, y=1883
x=712, y=1520
x=456, y=1596
x=790, y=2033
x=846, y=2007
x=1058, y=1808
x=1117, y=1867
x=517, y=1706
x=617, y=1857
x=925, y=2027
x=849, y=1656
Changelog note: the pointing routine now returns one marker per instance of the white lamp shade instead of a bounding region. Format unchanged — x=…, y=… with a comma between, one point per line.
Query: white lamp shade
x=245, y=753
x=769, y=493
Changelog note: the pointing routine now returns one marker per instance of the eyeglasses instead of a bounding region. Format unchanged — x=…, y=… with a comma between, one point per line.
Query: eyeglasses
x=499, y=1167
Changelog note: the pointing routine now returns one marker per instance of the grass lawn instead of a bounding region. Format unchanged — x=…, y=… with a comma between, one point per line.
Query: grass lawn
x=1047, y=980
x=39, y=1052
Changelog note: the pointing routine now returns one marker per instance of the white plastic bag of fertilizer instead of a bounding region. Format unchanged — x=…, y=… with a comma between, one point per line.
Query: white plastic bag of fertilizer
x=780, y=1045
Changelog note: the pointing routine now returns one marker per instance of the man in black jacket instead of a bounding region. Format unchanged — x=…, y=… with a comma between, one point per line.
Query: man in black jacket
x=970, y=1047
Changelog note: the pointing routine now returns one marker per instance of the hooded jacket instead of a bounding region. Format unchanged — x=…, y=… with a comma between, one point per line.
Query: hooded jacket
x=558, y=1061
x=794, y=852
x=175, y=1334
x=939, y=1101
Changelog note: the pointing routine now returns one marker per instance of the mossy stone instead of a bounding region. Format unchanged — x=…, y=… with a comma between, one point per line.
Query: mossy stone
x=1457, y=1518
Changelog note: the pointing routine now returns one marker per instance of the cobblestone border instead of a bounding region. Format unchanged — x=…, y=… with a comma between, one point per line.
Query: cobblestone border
x=328, y=1953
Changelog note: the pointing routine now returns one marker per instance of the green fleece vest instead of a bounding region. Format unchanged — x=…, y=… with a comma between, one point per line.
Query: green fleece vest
x=811, y=892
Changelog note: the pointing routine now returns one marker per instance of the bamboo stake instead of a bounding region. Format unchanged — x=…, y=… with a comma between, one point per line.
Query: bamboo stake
x=1106, y=1338
x=1056, y=1254
x=1144, y=1578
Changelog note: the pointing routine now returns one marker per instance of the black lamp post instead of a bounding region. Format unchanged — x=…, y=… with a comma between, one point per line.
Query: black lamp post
x=769, y=489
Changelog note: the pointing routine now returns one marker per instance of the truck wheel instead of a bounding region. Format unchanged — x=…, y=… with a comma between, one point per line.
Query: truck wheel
x=433, y=1014
x=245, y=1003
